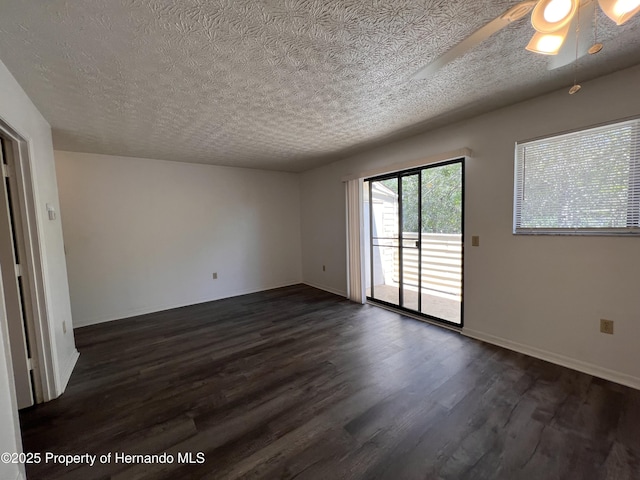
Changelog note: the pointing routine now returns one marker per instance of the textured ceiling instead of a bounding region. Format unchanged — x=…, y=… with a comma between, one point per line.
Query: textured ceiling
x=280, y=84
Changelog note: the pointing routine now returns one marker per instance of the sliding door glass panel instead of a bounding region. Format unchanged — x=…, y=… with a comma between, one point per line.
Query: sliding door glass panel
x=441, y=240
x=385, y=241
x=410, y=251
x=414, y=223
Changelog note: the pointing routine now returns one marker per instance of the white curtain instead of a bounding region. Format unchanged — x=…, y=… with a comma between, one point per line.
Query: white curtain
x=355, y=285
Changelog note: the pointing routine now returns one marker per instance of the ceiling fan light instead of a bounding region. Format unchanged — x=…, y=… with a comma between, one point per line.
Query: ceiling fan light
x=548, y=43
x=620, y=10
x=549, y=16
x=557, y=10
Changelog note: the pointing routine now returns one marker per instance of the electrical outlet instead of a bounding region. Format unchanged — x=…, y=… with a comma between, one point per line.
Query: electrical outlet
x=324, y=269
x=64, y=327
x=606, y=326
x=215, y=275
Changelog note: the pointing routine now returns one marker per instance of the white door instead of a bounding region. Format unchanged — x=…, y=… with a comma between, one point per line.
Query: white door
x=13, y=282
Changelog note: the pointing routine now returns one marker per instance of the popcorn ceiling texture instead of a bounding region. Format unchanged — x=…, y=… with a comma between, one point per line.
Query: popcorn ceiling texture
x=283, y=85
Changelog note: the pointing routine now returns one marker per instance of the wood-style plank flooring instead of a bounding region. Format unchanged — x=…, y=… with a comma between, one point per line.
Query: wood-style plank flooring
x=299, y=383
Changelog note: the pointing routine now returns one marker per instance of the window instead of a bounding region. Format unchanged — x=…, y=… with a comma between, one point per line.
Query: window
x=585, y=182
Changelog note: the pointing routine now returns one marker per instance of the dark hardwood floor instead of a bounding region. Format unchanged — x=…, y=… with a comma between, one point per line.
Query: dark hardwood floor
x=299, y=383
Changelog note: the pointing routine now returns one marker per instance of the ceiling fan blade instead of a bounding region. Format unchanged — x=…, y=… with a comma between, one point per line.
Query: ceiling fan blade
x=477, y=37
x=461, y=48
x=584, y=39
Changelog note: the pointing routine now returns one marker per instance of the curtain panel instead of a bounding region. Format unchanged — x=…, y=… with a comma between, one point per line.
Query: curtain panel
x=355, y=285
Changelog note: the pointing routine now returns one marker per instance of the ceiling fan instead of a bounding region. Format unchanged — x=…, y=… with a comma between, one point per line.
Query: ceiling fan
x=554, y=22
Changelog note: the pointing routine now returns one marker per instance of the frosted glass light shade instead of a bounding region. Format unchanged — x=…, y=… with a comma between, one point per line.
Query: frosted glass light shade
x=549, y=16
x=557, y=11
x=620, y=10
x=548, y=43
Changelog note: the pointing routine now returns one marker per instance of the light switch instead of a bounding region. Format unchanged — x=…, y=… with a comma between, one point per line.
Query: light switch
x=51, y=211
x=475, y=241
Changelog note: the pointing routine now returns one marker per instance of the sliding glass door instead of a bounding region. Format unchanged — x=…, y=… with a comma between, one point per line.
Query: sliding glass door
x=414, y=231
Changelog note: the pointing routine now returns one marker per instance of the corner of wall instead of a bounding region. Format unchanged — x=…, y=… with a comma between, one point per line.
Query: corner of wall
x=326, y=288
x=22, y=116
x=66, y=371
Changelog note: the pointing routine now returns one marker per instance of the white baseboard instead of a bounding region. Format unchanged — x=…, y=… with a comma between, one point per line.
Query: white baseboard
x=580, y=366
x=66, y=372
x=161, y=308
x=326, y=289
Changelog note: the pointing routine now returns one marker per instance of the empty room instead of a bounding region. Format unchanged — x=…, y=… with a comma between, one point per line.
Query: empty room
x=320, y=239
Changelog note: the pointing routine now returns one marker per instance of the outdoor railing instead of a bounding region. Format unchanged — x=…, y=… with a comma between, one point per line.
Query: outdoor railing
x=441, y=262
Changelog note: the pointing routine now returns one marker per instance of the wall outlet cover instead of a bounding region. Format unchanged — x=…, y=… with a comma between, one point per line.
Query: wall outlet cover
x=606, y=326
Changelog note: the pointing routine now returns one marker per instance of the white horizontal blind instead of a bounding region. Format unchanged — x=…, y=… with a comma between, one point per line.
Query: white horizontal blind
x=586, y=182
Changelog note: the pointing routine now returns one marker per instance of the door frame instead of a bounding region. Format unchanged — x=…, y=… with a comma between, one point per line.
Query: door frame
x=399, y=175
x=43, y=377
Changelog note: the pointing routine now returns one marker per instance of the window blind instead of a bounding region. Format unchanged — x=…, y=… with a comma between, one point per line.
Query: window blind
x=585, y=182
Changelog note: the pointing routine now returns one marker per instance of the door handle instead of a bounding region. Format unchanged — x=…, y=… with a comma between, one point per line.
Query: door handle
x=417, y=243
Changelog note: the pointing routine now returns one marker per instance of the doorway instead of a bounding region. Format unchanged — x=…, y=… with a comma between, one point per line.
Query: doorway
x=16, y=259
x=414, y=223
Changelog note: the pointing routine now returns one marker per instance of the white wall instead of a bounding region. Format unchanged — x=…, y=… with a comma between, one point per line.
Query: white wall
x=19, y=112
x=146, y=235
x=541, y=295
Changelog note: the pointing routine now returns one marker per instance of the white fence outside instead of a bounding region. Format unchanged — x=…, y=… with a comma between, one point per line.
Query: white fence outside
x=441, y=262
